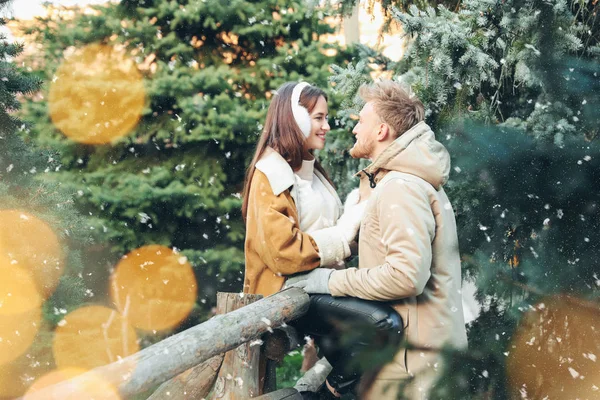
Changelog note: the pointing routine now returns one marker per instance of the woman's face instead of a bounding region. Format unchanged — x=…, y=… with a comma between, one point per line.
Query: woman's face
x=320, y=126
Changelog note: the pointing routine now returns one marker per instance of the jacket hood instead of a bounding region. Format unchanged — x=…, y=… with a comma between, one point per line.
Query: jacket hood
x=416, y=152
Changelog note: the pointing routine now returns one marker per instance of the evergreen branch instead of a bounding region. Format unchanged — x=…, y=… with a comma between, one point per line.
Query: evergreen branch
x=590, y=305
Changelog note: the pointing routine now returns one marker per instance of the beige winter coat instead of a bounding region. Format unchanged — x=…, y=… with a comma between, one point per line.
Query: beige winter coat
x=408, y=255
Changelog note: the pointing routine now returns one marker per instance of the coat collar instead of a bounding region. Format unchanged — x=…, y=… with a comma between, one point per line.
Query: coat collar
x=277, y=170
x=415, y=152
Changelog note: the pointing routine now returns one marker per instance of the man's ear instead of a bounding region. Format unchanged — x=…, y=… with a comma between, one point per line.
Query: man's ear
x=384, y=132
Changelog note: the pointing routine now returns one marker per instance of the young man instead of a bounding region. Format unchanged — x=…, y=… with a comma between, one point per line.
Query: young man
x=408, y=244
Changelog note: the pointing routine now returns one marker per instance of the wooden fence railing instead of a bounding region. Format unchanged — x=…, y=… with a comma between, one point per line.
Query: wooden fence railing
x=219, y=356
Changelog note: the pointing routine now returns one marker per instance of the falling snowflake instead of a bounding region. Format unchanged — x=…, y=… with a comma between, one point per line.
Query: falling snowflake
x=144, y=218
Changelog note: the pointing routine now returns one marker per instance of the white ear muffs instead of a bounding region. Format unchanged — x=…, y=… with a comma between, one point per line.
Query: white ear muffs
x=301, y=114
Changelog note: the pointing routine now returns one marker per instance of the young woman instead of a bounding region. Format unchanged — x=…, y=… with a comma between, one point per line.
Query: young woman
x=293, y=215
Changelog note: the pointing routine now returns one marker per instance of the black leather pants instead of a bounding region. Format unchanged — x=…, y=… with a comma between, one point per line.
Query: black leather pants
x=356, y=336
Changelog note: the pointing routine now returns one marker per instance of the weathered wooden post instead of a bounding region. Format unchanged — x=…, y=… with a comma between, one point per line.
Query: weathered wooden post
x=178, y=353
x=239, y=374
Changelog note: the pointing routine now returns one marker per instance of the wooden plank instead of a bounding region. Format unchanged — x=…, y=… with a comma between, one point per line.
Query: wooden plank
x=178, y=353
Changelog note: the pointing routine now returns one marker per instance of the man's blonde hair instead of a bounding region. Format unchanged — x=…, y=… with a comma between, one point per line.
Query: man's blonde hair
x=396, y=106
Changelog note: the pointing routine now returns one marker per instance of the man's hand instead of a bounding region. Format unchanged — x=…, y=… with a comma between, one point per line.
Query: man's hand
x=313, y=282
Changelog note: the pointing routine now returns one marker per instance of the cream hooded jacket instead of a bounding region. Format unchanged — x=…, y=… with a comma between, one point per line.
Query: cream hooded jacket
x=408, y=255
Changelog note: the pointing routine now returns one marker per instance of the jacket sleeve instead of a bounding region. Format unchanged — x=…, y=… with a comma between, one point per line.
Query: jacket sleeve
x=279, y=243
x=407, y=231
x=333, y=247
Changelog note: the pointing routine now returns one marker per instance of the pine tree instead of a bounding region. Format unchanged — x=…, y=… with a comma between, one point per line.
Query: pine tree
x=210, y=68
x=512, y=89
x=47, y=207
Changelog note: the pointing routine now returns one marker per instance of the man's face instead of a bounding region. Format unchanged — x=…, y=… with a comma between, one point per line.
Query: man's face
x=366, y=132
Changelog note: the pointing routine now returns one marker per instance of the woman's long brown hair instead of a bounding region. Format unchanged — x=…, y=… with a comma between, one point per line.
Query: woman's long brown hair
x=281, y=133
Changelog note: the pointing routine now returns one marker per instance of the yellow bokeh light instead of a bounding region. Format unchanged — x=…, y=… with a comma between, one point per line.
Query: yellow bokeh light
x=28, y=242
x=18, y=291
x=97, y=95
x=17, y=332
x=93, y=336
x=20, y=310
x=154, y=287
x=87, y=387
x=12, y=384
x=554, y=351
